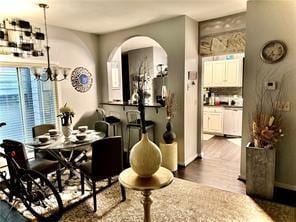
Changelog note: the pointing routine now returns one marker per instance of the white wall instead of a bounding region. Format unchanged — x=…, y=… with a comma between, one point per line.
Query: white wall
x=269, y=20
x=73, y=49
x=191, y=91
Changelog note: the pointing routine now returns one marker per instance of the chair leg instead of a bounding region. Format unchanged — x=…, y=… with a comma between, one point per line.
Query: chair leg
x=82, y=182
x=59, y=180
x=140, y=134
x=114, y=130
x=94, y=195
x=129, y=140
x=123, y=193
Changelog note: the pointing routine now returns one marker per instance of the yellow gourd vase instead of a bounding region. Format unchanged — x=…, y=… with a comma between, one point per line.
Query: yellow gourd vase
x=145, y=157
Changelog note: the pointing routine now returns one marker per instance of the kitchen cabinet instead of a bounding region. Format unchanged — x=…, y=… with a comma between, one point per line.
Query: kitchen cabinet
x=218, y=73
x=213, y=120
x=223, y=73
x=233, y=121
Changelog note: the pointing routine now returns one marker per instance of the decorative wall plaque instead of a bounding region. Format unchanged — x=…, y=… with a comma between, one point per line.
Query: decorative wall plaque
x=273, y=51
x=81, y=79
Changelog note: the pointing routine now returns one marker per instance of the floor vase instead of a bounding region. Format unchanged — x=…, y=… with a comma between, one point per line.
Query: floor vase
x=260, y=171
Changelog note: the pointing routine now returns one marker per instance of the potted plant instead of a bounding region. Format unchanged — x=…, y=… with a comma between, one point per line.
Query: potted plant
x=66, y=114
x=169, y=135
x=265, y=133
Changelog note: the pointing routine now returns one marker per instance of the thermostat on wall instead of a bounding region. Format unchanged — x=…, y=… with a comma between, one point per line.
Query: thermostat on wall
x=271, y=85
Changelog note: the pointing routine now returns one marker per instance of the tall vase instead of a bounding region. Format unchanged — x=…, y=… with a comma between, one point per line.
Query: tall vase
x=145, y=157
x=169, y=136
x=67, y=131
x=260, y=171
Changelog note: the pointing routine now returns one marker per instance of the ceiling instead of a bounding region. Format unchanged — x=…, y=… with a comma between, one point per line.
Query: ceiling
x=102, y=16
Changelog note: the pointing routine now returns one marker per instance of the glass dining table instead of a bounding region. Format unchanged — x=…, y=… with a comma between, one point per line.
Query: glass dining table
x=57, y=145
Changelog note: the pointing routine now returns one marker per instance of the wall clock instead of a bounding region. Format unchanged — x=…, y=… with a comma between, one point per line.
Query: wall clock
x=81, y=79
x=273, y=51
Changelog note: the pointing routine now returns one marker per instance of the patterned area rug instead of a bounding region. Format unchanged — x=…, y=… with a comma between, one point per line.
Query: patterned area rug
x=182, y=201
x=71, y=194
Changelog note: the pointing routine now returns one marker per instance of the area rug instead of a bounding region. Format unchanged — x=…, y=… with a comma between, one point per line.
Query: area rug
x=71, y=194
x=182, y=201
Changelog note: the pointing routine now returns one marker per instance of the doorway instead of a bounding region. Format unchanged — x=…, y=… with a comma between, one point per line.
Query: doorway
x=221, y=120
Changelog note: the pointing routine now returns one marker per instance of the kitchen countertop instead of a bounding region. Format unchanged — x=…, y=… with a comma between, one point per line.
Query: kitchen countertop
x=223, y=106
x=156, y=106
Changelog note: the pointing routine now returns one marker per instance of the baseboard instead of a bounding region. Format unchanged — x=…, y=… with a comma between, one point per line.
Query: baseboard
x=184, y=164
x=190, y=159
x=276, y=184
x=285, y=186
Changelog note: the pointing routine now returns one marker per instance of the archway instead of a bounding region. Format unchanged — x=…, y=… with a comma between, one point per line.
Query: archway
x=123, y=63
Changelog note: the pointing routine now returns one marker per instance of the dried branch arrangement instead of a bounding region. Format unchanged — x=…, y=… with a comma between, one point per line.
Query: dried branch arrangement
x=170, y=105
x=266, y=125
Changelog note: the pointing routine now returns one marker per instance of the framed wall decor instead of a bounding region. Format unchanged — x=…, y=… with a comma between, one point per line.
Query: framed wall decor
x=273, y=51
x=81, y=79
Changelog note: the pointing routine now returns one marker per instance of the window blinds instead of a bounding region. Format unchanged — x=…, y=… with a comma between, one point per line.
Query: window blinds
x=24, y=103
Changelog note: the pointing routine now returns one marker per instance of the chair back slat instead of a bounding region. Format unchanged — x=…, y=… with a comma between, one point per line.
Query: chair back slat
x=102, y=126
x=41, y=129
x=133, y=117
x=101, y=114
x=107, y=157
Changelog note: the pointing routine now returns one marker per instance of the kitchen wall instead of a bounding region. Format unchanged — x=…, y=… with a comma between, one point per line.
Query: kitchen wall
x=175, y=49
x=269, y=20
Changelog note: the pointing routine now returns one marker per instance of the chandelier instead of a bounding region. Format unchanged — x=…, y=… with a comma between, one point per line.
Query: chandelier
x=52, y=73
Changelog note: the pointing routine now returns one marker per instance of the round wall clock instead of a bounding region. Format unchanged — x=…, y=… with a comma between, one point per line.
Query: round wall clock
x=273, y=51
x=81, y=79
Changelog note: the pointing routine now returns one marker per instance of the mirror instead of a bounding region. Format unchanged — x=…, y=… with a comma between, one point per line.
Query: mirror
x=123, y=70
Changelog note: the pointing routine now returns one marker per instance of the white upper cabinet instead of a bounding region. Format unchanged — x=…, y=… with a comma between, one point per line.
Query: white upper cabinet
x=219, y=78
x=223, y=73
x=233, y=72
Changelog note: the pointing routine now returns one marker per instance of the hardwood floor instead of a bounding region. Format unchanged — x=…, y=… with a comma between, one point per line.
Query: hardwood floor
x=218, y=168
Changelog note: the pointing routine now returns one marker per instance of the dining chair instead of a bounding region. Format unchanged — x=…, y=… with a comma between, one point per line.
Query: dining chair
x=112, y=120
x=134, y=122
x=42, y=166
x=107, y=161
x=38, y=131
x=100, y=126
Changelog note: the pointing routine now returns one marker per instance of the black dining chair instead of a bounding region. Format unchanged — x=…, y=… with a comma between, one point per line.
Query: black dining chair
x=107, y=161
x=42, y=166
x=100, y=126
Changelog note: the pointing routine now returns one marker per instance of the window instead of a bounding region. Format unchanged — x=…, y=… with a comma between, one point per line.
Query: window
x=24, y=103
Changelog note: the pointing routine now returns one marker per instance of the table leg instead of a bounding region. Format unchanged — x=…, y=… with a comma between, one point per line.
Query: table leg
x=147, y=201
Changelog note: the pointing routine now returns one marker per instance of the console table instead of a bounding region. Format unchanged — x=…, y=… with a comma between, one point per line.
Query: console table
x=162, y=178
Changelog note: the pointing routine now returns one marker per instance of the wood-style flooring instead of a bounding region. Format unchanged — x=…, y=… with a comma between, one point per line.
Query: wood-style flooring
x=219, y=166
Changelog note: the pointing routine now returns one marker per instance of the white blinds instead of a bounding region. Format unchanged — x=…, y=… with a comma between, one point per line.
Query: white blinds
x=24, y=103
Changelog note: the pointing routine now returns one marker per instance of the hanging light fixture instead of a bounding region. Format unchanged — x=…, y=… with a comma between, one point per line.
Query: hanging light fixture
x=51, y=73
